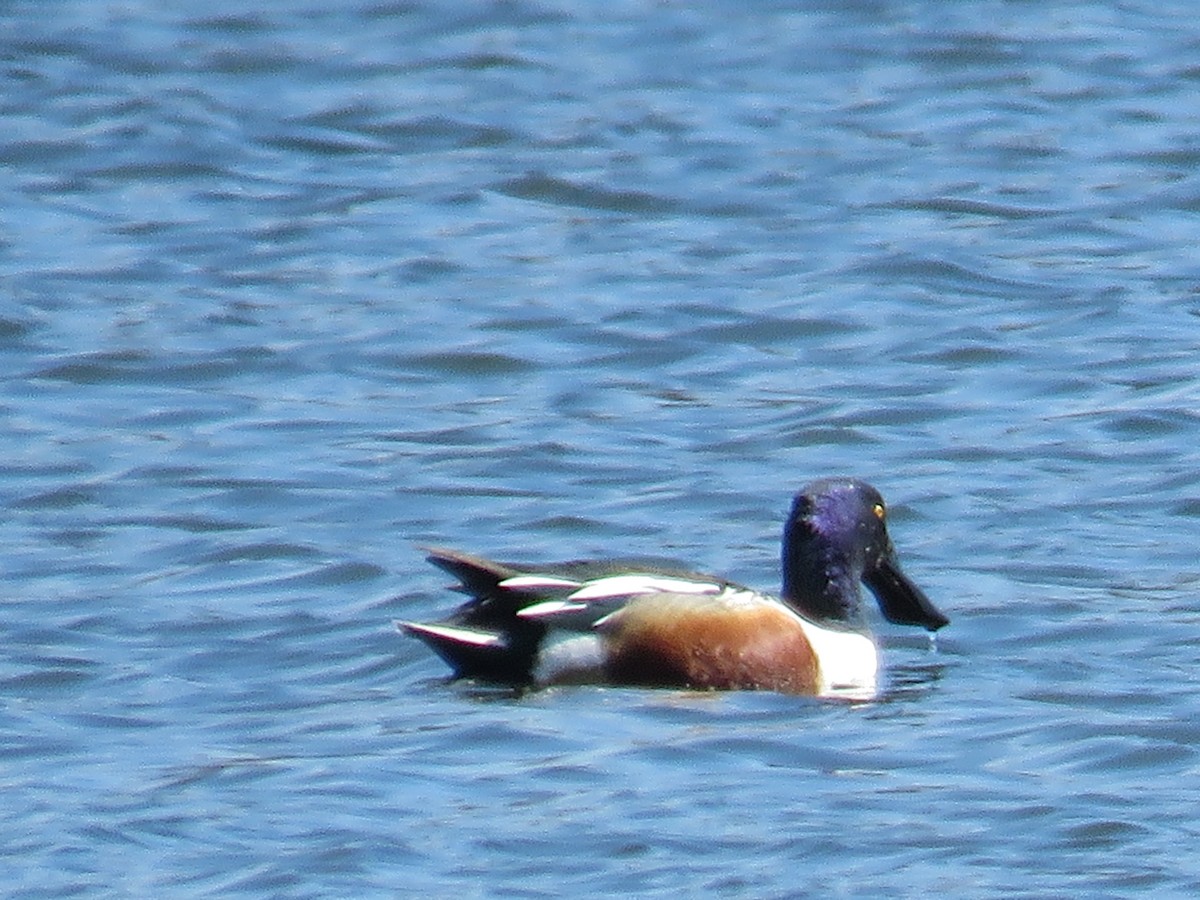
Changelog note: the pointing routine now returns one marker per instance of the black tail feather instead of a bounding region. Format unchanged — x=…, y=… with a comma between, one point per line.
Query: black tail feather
x=491, y=611
x=484, y=656
x=479, y=577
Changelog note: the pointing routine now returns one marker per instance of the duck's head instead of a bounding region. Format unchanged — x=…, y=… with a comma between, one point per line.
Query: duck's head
x=836, y=536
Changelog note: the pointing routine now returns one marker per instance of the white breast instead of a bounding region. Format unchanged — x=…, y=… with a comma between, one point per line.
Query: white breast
x=849, y=662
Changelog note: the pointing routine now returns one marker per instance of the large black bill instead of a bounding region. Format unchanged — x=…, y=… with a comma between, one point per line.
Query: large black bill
x=901, y=601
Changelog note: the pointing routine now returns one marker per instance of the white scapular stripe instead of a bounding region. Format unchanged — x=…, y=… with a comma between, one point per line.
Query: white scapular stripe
x=550, y=608
x=632, y=585
x=461, y=635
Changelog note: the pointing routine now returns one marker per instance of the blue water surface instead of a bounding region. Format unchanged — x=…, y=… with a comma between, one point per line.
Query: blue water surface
x=290, y=289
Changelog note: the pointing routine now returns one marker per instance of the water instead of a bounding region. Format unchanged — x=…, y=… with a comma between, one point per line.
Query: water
x=288, y=290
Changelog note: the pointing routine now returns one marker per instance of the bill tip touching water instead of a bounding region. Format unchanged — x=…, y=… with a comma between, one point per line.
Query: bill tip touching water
x=625, y=621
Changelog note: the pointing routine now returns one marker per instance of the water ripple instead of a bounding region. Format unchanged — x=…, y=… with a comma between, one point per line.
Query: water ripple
x=293, y=289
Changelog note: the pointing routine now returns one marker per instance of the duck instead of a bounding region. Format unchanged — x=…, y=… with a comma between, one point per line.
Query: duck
x=643, y=622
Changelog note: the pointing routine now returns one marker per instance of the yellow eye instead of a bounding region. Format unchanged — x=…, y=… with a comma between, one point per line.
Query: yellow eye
x=879, y=511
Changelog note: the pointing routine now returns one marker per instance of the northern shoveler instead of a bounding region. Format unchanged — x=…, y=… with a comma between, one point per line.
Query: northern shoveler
x=638, y=623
